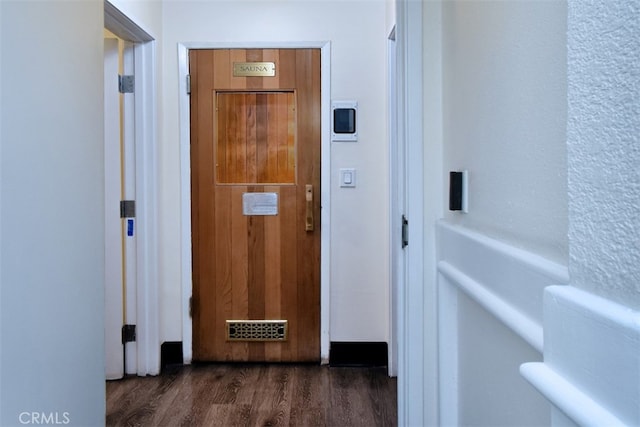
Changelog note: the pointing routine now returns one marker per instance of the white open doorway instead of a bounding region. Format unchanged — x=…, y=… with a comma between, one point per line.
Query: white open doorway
x=131, y=260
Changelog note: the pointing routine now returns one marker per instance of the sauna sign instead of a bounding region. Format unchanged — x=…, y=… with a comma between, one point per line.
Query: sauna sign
x=260, y=203
x=254, y=69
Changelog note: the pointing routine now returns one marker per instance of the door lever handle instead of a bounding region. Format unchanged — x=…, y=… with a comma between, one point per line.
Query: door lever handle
x=309, y=197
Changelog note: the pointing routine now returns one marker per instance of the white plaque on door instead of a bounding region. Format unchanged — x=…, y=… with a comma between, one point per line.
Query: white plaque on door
x=260, y=203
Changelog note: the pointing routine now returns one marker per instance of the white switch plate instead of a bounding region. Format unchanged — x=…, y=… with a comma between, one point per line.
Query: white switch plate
x=347, y=177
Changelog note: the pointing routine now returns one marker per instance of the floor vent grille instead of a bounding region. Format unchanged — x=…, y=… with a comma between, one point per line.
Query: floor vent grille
x=257, y=330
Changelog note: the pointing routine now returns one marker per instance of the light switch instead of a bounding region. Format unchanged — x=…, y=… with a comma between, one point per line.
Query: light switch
x=347, y=177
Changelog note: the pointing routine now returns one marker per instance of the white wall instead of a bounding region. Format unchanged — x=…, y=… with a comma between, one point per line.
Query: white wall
x=505, y=118
x=492, y=391
x=504, y=114
x=52, y=246
x=359, y=217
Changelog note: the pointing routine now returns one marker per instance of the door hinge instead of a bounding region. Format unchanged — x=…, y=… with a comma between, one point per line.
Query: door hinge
x=190, y=306
x=189, y=84
x=128, y=333
x=127, y=209
x=405, y=232
x=125, y=84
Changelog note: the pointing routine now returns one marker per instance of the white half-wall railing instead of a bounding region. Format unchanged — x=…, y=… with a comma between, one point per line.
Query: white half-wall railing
x=527, y=329
x=565, y=396
x=591, y=369
x=508, y=283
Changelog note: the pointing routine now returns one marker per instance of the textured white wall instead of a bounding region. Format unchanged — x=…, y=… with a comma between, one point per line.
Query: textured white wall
x=359, y=217
x=604, y=148
x=52, y=189
x=504, y=91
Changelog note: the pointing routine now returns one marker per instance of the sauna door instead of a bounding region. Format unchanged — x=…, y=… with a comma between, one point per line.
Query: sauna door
x=255, y=202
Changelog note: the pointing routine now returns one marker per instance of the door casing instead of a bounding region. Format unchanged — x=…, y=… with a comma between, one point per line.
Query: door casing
x=397, y=205
x=147, y=356
x=185, y=183
x=114, y=293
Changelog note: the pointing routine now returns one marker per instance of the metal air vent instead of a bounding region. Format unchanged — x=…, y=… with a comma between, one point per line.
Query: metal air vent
x=257, y=330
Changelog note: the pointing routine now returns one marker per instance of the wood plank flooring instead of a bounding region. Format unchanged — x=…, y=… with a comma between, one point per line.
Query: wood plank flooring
x=255, y=395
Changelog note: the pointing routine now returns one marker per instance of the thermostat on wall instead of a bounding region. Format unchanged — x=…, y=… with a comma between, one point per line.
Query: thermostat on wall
x=344, y=121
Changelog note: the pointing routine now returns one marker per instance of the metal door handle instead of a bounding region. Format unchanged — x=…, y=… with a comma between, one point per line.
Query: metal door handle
x=309, y=197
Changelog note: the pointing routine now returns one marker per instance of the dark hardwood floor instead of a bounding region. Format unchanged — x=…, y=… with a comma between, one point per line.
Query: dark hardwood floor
x=255, y=395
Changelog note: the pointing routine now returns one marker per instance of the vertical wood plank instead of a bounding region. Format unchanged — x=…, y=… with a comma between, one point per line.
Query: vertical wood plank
x=220, y=143
x=262, y=117
x=239, y=266
x=308, y=86
x=273, y=121
x=205, y=199
x=291, y=138
x=240, y=141
x=254, y=55
x=273, y=281
x=256, y=274
x=222, y=71
x=272, y=55
x=195, y=201
x=289, y=270
x=223, y=285
x=251, y=138
x=231, y=126
x=287, y=69
x=221, y=79
x=236, y=55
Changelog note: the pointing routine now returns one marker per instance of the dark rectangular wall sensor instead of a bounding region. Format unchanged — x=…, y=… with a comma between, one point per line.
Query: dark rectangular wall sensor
x=455, y=191
x=344, y=120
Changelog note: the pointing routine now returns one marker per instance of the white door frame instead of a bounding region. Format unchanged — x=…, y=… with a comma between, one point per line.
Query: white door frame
x=113, y=295
x=397, y=185
x=417, y=328
x=147, y=360
x=419, y=91
x=185, y=186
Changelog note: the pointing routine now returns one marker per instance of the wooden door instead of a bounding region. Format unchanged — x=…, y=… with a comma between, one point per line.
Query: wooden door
x=255, y=191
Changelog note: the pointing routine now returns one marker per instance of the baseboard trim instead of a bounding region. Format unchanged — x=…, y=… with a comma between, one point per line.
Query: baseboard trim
x=170, y=354
x=340, y=354
x=358, y=354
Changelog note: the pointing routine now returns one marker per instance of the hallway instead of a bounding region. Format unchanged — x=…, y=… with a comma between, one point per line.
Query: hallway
x=255, y=395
